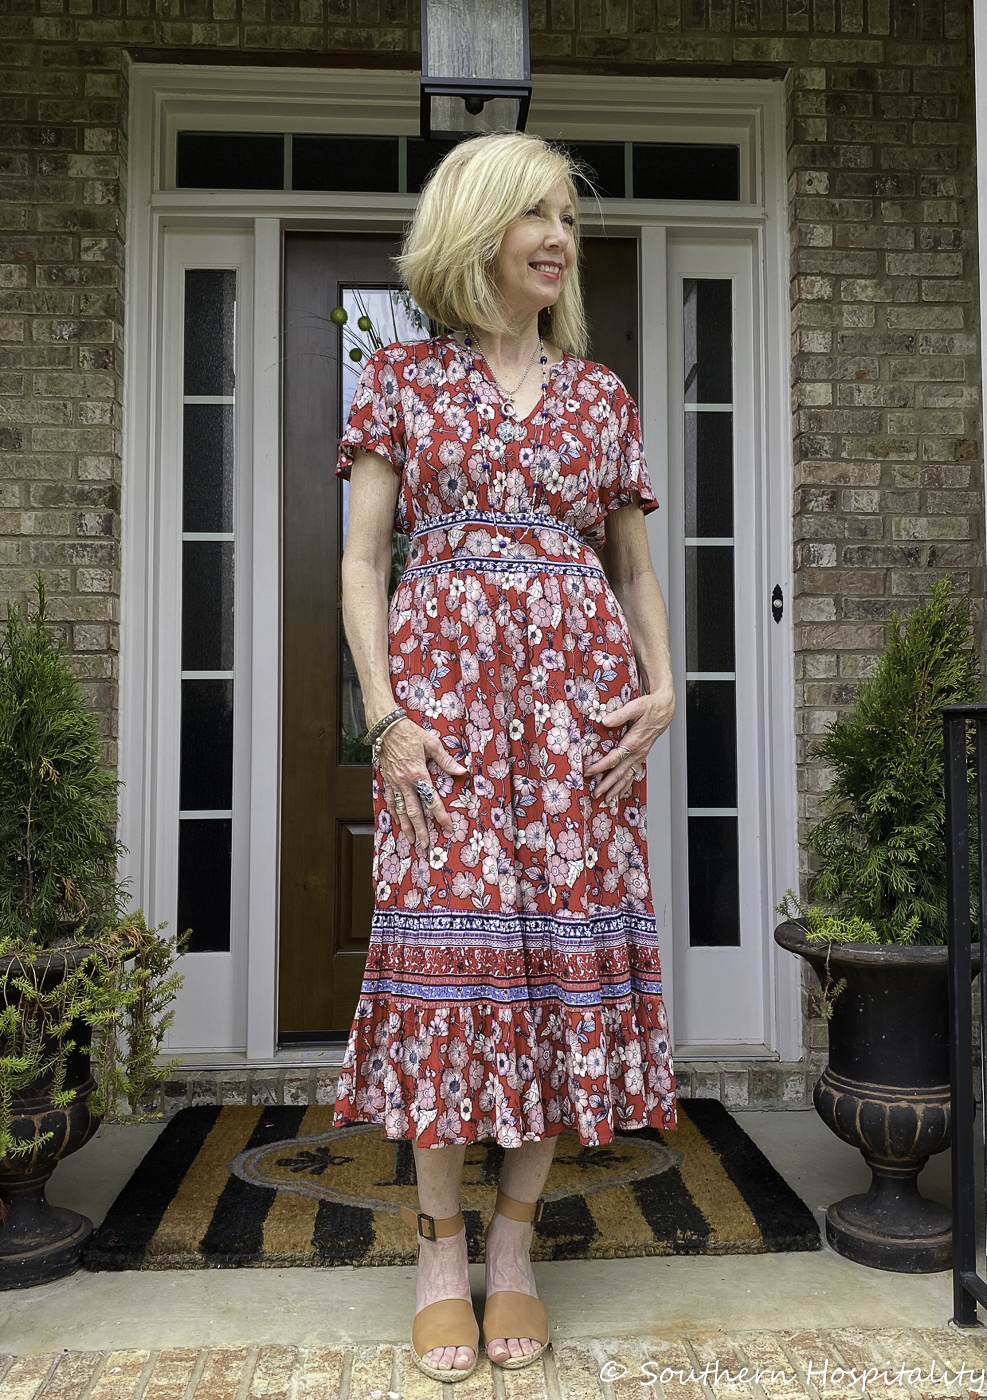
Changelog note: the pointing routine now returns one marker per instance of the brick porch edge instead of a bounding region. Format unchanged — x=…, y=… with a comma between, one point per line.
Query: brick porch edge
x=774, y=1085
x=913, y=1364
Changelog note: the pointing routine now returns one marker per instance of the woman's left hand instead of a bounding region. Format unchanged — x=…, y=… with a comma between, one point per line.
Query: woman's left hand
x=618, y=770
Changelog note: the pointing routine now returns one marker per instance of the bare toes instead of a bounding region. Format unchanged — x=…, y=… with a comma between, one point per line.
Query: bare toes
x=449, y=1358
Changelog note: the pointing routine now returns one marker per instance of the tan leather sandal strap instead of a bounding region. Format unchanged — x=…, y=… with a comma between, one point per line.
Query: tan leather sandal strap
x=449, y=1323
x=428, y=1227
x=526, y=1211
x=514, y=1315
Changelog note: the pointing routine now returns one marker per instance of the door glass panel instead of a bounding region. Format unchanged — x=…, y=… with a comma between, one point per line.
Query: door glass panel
x=207, y=467
x=708, y=474
x=375, y=316
x=709, y=624
x=210, y=300
x=711, y=720
x=207, y=746
x=710, y=614
x=207, y=610
x=229, y=160
x=344, y=163
x=673, y=170
x=205, y=867
x=708, y=341
x=714, y=894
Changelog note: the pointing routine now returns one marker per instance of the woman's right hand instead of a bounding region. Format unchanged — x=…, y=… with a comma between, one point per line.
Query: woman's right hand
x=404, y=752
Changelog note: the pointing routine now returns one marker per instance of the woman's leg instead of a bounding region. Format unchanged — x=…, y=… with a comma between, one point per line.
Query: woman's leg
x=443, y=1270
x=508, y=1245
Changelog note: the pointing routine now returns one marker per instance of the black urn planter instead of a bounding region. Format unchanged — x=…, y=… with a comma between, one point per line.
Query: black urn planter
x=38, y=1241
x=885, y=1091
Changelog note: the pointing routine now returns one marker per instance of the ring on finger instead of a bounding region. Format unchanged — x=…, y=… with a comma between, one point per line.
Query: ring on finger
x=622, y=748
x=399, y=802
x=426, y=792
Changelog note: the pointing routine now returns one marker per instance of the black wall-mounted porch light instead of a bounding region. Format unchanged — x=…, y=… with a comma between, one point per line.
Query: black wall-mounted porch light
x=476, y=67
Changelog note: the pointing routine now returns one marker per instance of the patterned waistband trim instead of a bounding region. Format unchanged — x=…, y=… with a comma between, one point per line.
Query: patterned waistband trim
x=497, y=520
x=463, y=923
x=482, y=563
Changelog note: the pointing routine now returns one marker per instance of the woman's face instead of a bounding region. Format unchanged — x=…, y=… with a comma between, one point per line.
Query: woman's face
x=537, y=253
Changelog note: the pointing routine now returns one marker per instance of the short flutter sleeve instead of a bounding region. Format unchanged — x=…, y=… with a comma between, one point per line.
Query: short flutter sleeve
x=376, y=422
x=624, y=471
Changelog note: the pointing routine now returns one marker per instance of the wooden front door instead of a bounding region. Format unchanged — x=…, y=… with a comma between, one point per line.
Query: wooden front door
x=326, y=809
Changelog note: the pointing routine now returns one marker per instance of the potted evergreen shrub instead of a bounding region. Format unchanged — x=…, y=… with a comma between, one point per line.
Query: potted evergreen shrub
x=875, y=935
x=84, y=985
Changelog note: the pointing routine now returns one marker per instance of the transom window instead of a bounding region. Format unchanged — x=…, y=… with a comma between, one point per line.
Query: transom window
x=232, y=160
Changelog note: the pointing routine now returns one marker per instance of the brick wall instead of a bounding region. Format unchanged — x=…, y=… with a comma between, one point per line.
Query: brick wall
x=888, y=491
x=885, y=355
x=62, y=196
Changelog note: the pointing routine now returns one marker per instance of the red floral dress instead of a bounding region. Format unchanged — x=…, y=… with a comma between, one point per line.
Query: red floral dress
x=513, y=982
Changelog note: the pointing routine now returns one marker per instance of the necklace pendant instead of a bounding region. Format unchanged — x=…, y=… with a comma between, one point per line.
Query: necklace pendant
x=509, y=409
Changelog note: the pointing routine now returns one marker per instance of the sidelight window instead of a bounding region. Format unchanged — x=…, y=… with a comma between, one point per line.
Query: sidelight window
x=207, y=608
x=710, y=624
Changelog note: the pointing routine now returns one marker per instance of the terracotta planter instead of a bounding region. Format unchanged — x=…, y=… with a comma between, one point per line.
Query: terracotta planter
x=39, y=1241
x=885, y=1091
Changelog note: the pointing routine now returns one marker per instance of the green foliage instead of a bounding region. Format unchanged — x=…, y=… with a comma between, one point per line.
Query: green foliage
x=121, y=990
x=57, y=798
x=881, y=842
x=59, y=893
x=822, y=927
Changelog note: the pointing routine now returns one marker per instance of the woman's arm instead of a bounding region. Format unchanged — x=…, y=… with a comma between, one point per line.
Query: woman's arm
x=366, y=570
x=627, y=561
x=406, y=748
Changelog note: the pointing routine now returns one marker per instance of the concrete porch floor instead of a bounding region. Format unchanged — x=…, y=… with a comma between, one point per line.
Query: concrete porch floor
x=597, y=1308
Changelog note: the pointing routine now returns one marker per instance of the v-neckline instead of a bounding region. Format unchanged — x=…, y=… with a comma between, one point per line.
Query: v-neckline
x=487, y=374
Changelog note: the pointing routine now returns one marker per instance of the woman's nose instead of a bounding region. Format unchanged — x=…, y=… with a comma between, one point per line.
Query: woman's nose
x=558, y=234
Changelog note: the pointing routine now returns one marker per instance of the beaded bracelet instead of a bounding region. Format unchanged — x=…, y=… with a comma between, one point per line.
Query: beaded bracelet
x=376, y=732
x=375, y=746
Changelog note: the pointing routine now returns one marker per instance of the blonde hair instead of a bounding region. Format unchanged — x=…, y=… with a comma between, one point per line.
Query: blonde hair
x=472, y=196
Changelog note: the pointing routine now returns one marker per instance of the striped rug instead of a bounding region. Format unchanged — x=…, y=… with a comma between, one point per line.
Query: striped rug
x=274, y=1187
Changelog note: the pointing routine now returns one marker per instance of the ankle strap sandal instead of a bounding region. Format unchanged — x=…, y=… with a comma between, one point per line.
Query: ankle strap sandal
x=450, y=1322
x=507, y=1314
x=520, y=1210
x=431, y=1229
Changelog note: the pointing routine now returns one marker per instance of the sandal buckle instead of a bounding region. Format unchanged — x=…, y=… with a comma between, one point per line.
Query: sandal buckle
x=428, y=1234
x=539, y=1210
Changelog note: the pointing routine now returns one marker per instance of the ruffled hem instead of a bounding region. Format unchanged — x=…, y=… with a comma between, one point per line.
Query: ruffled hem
x=460, y=1074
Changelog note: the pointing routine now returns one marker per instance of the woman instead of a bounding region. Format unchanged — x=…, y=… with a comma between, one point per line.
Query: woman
x=514, y=689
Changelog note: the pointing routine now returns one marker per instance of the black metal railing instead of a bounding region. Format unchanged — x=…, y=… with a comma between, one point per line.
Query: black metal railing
x=969, y=1288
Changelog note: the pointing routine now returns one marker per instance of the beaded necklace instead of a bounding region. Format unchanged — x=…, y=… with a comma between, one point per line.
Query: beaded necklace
x=509, y=431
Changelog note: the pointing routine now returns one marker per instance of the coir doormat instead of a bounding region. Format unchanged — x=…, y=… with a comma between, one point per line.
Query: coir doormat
x=277, y=1187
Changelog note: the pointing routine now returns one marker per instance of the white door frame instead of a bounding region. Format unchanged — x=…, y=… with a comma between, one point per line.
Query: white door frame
x=166, y=98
